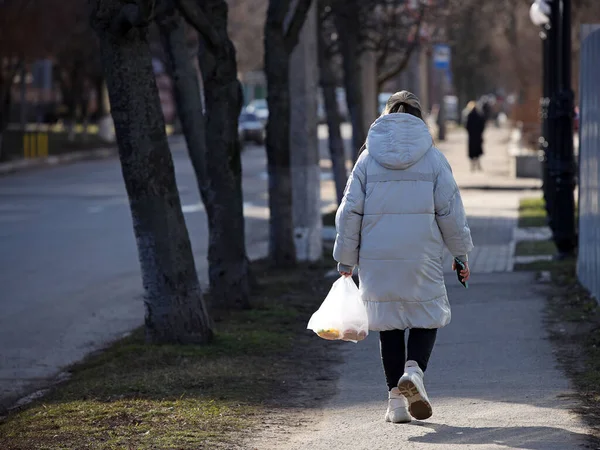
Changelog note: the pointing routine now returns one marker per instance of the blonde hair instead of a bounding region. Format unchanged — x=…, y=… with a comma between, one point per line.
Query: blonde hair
x=403, y=102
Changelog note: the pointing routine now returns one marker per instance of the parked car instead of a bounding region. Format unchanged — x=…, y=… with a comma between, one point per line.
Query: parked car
x=251, y=129
x=259, y=108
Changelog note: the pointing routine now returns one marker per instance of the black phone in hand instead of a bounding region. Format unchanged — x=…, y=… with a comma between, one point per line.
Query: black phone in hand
x=460, y=266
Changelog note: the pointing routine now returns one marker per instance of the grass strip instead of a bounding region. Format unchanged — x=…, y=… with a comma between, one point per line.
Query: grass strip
x=534, y=248
x=532, y=213
x=573, y=320
x=135, y=395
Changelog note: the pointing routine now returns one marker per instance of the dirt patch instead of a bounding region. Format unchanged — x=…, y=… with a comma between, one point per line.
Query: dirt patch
x=310, y=381
x=573, y=321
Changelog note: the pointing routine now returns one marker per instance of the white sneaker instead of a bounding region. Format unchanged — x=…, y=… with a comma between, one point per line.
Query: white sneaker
x=411, y=386
x=397, y=411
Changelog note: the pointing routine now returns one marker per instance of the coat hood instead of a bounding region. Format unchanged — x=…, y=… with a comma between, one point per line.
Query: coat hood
x=399, y=140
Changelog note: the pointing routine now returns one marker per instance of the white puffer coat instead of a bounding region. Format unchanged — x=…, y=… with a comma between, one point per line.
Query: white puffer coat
x=400, y=207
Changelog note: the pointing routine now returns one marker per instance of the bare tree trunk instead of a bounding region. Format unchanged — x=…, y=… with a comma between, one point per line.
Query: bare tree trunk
x=101, y=104
x=282, y=250
x=229, y=269
x=219, y=171
x=304, y=144
x=336, y=142
x=5, y=101
x=75, y=100
x=348, y=23
x=85, y=116
x=281, y=36
x=23, y=97
x=175, y=310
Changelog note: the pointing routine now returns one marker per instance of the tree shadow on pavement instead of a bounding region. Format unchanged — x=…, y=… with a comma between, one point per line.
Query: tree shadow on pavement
x=530, y=438
x=499, y=187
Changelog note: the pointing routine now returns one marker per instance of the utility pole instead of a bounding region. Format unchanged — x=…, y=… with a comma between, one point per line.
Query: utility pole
x=549, y=50
x=441, y=62
x=304, y=143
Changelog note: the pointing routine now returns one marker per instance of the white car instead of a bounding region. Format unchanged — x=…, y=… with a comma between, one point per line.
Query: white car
x=251, y=128
x=259, y=108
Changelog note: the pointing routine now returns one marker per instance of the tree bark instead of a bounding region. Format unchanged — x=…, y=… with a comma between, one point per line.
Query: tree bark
x=335, y=140
x=229, y=268
x=219, y=171
x=5, y=101
x=304, y=144
x=71, y=90
x=175, y=310
x=282, y=250
x=85, y=115
x=101, y=104
x=348, y=23
x=23, y=98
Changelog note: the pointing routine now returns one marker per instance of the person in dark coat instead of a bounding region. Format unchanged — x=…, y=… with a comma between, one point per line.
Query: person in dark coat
x=475, y=127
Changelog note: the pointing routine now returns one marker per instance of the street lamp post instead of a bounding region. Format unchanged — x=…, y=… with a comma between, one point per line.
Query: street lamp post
x=557, y=121
x=541, y=19
x=562, y=168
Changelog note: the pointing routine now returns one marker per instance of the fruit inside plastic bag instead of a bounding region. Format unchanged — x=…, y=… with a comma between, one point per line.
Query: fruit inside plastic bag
x=331, y=335
x=342, y=315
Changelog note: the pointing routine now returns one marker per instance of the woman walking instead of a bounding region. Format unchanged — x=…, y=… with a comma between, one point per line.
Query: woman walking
x=475, y=127
x=400, y=207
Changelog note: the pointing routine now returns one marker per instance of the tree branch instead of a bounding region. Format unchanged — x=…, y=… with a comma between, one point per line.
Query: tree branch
x=130, y=16
x=5, y=86
x=194, y=15
x=164, y=8
x=386, y=76
x=292, y=34
x=277, y=11
x=398, y=68
x=384, y=55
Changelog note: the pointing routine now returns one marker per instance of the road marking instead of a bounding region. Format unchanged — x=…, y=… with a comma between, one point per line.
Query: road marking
x=256, y=211
x=325, y=176
x=196, y=207
x=251, y=209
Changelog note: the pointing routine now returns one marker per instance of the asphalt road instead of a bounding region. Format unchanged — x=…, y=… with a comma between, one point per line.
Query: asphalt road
x=69, y=273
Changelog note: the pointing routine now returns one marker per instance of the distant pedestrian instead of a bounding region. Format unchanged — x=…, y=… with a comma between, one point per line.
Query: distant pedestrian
x=400, y=207
x=475, y=127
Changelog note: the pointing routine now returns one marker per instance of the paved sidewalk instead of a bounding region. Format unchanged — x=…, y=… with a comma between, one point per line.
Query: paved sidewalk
x=493, y=379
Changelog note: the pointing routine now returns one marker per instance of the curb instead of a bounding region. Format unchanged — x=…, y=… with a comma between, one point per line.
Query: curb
x=25, y=164
x=67, y=158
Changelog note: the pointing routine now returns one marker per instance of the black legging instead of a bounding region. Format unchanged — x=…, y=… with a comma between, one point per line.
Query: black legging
x=394, y=354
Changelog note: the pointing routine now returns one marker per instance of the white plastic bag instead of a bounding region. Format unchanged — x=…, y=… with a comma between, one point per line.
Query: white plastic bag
x=342, y=316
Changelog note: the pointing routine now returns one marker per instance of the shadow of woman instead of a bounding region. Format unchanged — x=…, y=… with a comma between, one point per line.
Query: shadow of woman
x=530, y=438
